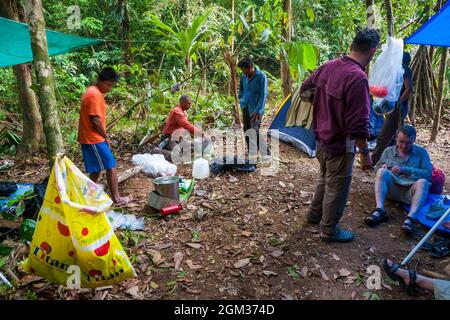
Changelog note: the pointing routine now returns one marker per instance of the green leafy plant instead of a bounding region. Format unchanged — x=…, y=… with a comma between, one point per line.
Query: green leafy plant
x=359, y=279
x=302, y=57
x=196, y=235
x=31, y=295
x=9, y=140
x=294, y=272
x=16, y=206
x=371, y=295
x=184, y=43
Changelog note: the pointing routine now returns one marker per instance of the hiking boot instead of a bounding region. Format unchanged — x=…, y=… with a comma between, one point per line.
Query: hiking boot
x=341, y=236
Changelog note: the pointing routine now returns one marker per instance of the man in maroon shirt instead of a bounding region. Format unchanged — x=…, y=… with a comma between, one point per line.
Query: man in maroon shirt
x=340, y=97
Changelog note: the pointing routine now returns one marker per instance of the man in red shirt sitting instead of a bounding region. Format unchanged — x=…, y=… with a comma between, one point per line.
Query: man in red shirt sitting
x=178, y=125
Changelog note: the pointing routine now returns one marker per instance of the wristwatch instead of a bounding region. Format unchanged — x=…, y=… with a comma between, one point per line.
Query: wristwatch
x=364, y=151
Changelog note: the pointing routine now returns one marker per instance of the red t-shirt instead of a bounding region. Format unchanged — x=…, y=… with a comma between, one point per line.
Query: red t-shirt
x=178, y=120
x=92, y=104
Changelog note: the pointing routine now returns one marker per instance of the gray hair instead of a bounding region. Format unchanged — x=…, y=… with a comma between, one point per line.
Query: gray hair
x=408, y=131
x=184, y=98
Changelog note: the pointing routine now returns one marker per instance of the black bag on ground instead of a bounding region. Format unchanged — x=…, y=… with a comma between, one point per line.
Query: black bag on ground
x=221, y=165
x=6, y=188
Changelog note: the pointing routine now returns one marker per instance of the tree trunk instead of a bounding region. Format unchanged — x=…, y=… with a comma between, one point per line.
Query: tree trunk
x=370, y=22
x=125, y=31
x=234, y=88
x=231, y=62
x=286, y=33
x=32, y=131
x=440, y=93
x=44, y=76
x=390, y=17
x=232, y=22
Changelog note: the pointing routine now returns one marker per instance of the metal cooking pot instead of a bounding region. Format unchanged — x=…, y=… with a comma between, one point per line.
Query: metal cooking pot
x=167, y=187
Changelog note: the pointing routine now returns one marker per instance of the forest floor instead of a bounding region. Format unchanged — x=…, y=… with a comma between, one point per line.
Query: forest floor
x=253, y=242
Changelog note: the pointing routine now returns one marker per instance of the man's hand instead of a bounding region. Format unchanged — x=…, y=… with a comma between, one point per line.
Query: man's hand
x=397, y=170
x=256, y=116
x=366, y=162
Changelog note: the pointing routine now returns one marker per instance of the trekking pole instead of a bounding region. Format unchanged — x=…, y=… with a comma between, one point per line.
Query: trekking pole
x=425, y=238
x=2, y=277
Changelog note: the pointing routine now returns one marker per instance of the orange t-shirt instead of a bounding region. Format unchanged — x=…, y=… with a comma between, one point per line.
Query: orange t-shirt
x=92, y=104
x=178, y=120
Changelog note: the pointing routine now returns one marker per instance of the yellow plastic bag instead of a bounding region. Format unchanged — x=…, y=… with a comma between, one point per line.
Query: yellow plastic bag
x=73, y=229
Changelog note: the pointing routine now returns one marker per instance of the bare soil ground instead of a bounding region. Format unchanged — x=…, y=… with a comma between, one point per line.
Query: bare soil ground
x=253, y=242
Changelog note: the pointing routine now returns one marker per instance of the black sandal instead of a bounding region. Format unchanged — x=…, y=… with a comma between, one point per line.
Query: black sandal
x=411, y=288
x=408, y=226
x=376, y=217
x=440, y=250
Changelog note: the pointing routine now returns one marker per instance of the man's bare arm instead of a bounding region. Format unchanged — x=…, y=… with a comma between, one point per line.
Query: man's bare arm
x=97, y=124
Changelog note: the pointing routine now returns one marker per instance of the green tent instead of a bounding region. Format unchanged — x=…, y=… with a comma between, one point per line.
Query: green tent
x=15, y=45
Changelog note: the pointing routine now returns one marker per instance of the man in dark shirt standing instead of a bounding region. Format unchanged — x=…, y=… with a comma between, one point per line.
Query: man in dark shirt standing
x=341, y=103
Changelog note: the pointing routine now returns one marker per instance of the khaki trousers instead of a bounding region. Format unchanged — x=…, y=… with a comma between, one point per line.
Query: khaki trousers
x=332, y=189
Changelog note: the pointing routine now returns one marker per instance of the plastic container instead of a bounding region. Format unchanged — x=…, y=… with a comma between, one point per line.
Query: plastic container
x=200, y=169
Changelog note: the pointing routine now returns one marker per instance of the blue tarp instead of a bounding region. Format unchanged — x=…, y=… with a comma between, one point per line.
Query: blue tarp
x=422, y=214
x=436, y=31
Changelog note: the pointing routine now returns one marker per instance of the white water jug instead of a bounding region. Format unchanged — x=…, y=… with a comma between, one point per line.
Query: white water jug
x=200, y=169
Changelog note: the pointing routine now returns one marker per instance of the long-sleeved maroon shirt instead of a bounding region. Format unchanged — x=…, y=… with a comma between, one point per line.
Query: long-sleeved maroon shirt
x=341, y=103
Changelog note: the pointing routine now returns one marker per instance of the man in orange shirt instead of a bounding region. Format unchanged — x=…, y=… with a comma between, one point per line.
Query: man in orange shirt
x=95, y=144
x=176, y=122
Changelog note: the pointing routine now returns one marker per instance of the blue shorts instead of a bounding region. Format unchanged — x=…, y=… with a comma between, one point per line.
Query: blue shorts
x=97, y=157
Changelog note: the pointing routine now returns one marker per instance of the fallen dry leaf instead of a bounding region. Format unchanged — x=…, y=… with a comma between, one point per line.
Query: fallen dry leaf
x=162, y=246
x=344, y=272
x=269, y=273
x=282, y=184
x=246, y=233
x=286, y=296
x=336, y=257
x=263, y=211
x=242, y=263
x=193, y=266
x=133, y=291
x=153, y=285
x=277, y=253
x=192, y=291
x=322, y=273
x=304, y=272
x=156, y=257
x=177, y=258
x=207, y=205
x=194, y=245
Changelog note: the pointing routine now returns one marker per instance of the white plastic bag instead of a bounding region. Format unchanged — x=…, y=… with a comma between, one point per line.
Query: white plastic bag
x=386, y=75
x=125, y=221
x=155, y=164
